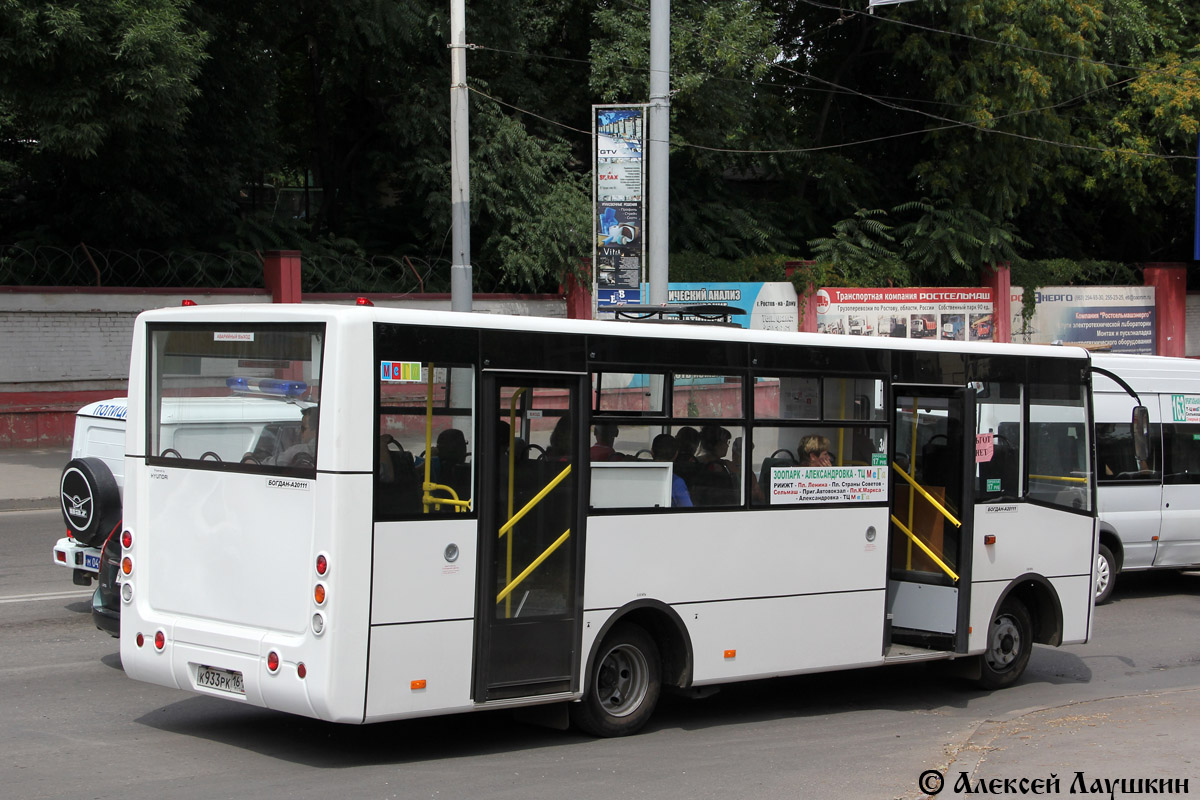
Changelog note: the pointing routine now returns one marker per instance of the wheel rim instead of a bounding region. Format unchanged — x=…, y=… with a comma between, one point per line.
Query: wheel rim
x=622, y=680
x=1005, y=644
x=1103, y=575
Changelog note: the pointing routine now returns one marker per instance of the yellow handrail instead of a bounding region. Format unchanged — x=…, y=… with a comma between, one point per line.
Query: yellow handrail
x=913, y=537
x=512, y=477
x=1067, y=478
x=506, y=527
x=933, y=501
x=437, y=502
x=536, y=563
x=428, y=435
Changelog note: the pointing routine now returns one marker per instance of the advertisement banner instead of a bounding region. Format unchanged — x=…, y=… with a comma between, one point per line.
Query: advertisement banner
x=952, y=313
x=768, y=306
x=618, y=253
x=1119, y=319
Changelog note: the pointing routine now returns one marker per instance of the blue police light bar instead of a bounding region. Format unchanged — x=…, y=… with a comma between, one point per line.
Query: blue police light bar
x=274, y=387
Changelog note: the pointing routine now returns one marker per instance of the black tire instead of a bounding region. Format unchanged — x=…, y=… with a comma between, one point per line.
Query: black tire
x=1009, y=643
x=89, y=499
x=1106, y=575
x=623, y=685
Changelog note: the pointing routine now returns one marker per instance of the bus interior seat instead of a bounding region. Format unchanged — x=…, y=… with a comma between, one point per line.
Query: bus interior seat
x=764, y=475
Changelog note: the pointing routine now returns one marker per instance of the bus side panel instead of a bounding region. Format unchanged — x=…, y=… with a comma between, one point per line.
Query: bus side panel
x=789, y=590
x=1031, y=538
x=760, y=638
x=701, y=557
x=1074, y=595
x=420, y=669
x=423, y=571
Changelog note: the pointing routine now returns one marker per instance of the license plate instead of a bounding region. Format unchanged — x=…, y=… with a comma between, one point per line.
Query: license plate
x=91, y=562
x=223, y=680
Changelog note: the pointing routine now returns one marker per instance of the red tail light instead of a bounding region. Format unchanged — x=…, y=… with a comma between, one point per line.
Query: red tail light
x=160, y=640
x=322, y=565
x=301, y=670
x=362, y=301
x=127, y=540
x=60, y=556
x=141, y=640
x=272, y=661
x=188, y=303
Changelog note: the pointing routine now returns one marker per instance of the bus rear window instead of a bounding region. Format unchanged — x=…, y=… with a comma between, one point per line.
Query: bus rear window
x=238, y=395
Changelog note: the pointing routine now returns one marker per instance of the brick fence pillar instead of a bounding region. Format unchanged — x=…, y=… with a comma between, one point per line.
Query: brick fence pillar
x=281, y=274
x=1170, y=306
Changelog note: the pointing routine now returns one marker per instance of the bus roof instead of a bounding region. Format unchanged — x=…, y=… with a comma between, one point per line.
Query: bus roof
x=241, y=314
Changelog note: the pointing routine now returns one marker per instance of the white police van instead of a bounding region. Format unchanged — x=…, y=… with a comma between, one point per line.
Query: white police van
x=258, y=421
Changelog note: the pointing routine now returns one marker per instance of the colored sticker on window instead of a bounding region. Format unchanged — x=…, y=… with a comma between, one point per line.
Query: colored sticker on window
x=400, y=371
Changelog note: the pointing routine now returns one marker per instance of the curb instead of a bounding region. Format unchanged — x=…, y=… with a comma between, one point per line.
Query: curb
x=32, y=504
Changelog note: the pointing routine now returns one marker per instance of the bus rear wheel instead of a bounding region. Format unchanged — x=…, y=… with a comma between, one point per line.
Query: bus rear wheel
x=1009, y=642
x=623, y=686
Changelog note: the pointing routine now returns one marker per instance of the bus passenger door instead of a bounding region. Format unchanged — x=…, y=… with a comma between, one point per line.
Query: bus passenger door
x=933, y=467
x=529, y=608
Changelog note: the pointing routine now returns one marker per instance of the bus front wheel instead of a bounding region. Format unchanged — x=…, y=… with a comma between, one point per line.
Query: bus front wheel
x=1009, y=642
x=623, y=686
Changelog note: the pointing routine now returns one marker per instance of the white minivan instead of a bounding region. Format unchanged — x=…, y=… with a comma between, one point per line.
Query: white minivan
x=1149, y=508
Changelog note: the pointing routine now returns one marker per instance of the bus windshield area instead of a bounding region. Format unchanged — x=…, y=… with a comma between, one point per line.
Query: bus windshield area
x=240, y=395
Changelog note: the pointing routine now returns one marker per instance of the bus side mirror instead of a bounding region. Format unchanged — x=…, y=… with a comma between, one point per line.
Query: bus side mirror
x=1141, y=433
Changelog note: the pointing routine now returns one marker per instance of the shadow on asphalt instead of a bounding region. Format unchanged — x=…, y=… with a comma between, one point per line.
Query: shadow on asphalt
x=901, y=688
x=1155, y=583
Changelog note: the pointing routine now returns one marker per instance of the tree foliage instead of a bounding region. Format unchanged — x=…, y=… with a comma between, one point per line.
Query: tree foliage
x=915, y=144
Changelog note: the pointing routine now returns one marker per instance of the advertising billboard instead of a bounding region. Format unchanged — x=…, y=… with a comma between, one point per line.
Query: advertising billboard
x=1119, y=319
x=952, y=313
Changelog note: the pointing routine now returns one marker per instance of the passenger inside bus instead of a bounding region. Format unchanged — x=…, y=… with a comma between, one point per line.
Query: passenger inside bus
x=714, y=483
x=302, y=454
x=606, y=437
x=449, y=466
x=560, y=441
x=815, y=452
x=665, y=448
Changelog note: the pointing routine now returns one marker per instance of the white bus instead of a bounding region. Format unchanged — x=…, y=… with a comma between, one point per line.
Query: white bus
x=1149, y=507
x=754, y=504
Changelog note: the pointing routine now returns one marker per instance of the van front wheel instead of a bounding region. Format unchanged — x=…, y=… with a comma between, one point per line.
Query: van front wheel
x=1106, y=575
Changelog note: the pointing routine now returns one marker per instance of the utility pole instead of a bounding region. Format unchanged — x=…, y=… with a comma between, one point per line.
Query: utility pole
x=658, y=151
x=460, y=169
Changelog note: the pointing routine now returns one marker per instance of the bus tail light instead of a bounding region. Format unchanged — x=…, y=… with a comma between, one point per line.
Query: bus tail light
x=126, y=540
x=322, y=565
x=127, y=565
x=60, y=556
x=272, y=662
x=160, y=640
x=301, y=670
x=139, y=640
x=319, y=594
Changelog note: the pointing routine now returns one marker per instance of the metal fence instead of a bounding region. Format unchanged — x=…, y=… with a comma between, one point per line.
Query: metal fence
x=235, y=269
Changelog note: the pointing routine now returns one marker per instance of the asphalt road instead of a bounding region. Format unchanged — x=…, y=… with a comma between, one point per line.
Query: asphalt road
x=76, y=727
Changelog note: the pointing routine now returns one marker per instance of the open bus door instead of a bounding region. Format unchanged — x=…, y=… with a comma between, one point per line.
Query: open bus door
x=932, y=504
x=528, y=623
